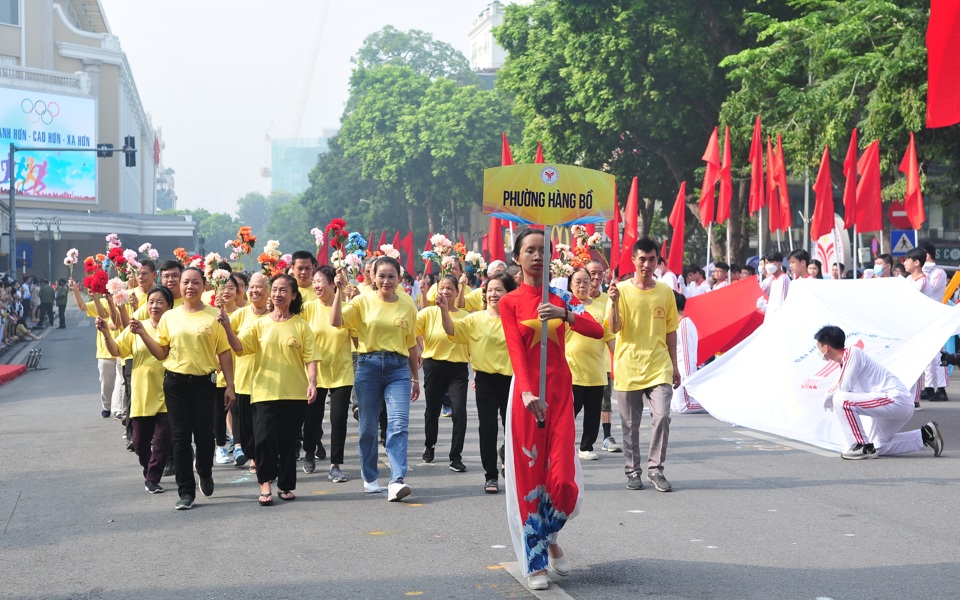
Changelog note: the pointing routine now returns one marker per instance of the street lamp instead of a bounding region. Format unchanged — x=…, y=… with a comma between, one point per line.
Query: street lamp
x=51, y=236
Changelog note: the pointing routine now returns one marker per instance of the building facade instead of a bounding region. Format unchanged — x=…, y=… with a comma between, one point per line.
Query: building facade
x=65, y=85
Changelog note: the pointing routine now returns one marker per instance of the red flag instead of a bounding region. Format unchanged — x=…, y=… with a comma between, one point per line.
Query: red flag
x=850, y=186
x=612, y=230
x=678, y=222
x=726, y=181
x=822, y=223
x=407, y=245
x=463, y=240
x=373, y=234
x=663, y=249
x=756, y=169
x=630, y=226
x=913, y=200
x=484, y=246
x=539, y=157
x=156, y=150
x=396, y=240
x=591, y=228
x=943, y=64
x=495, y=240
x=712, y=157
x=780, y=177
x=383, y=239
x=428, y=264
x=771, y=190
x=869, y=204
x=506, y=157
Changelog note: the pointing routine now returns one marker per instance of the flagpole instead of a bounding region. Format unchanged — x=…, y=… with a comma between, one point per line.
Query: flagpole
x=709, y=240
x=779, y=249
x=543, y=324
x=790, y=234
x=760, y=233
x=856, y=257
x=729, y=258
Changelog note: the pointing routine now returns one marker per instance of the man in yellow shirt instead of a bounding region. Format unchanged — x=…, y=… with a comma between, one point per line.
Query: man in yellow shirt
x=643, y=314
x=302, y=269
x=106, y=363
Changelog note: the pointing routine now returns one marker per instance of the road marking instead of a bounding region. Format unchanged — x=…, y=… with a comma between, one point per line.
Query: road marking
x=552, y=593
x=413, y=593
x=767, y=437
x=636, y=512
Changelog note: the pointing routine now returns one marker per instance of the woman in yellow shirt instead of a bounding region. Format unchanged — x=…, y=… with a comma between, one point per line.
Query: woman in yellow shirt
x=588, y=359
x=334, y=374
x=228, y=300
x=191, y=344
x=242, y=413
x=284, y=382
x=148, y=411
x=482, y=333
x=444, y=371
x=389, y=364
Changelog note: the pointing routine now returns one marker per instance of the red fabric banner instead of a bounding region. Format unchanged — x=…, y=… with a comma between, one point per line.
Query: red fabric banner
x=612, y=230
x=869, y=204
x=913, y=199
x=943, y=64
x=726, y=181
x=850, y=185
x=780, y=177
x=822, y=223
x=630, y=227
x=678, y=222
x=407, y=245
x=756, y=169
x=711, y=175
x=771, y=190
x=539, y=157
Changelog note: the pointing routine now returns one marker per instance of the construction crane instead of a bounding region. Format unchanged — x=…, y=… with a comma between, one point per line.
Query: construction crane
x=304, y=91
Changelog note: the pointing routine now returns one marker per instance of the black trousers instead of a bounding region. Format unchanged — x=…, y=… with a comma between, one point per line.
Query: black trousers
x=46, y=310
x=588, y=398
x=190, y=411
x=151, y=441
x=219, y=416
x=62, y=315
x=313, y=425
x=339, y=409
x=276, y=427
x=493, y=395
x=440, y=377
x=243, y=425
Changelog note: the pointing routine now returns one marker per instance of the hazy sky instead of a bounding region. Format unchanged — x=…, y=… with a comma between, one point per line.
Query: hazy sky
x=217, y=76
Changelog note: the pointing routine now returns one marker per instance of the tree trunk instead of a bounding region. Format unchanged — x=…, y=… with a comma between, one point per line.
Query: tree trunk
x=410, y=218
x=645, y=218
x=740, y=223
x=453, y=216
x=431, y=218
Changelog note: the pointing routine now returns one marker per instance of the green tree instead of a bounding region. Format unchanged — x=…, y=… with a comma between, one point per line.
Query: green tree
x=417, y=50
x=632, y=87
x=213, y=229
x=253, y=210
x=833, y=66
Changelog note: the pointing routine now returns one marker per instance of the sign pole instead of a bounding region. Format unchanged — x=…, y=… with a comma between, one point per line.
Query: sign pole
x=709, y=240
x=547, y=232
x=11, y=212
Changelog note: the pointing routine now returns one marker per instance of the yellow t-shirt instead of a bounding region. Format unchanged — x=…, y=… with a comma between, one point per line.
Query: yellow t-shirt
x=483, y=335
x=281, y=352
x=589, y=359
x=365, y=288
x=307, y=294
x=473, y=300
x=334, y=358
x=143, y=313
x=361, y=348
x=641, y=359
x=221, y=380
x=102, y=351
x=432, y=295
x=146, y=378
x=436, y=343
x=195, y=339
x=386, y=326
x=243, y=365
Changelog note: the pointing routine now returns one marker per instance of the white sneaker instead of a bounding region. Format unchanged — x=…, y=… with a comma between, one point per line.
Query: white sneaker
x=372, y=487
x=397, y=491
x=538, y=582
x=223, y=457
x=587, y=455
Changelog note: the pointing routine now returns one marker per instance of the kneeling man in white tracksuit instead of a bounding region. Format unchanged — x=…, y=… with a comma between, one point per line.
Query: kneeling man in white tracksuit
x=868, y=388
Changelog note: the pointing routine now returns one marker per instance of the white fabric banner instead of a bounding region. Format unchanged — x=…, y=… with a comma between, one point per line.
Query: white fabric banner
x=774, y=381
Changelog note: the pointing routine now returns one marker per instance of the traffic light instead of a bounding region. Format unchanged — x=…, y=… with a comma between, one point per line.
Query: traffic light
x=130, y=150
x=104, y=150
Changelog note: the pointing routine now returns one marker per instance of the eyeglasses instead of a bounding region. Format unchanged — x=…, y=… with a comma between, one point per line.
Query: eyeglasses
x=531, y=253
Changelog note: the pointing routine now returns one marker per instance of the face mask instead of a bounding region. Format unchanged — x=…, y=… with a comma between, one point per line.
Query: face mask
x=771, y=268
x=823, y=353
x=878, y=271
x=657, y=273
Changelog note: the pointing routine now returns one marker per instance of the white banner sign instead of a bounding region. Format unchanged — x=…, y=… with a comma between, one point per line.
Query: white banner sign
x=775, y=380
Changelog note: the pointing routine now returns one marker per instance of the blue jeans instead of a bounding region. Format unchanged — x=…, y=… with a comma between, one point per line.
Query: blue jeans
x=383, y=376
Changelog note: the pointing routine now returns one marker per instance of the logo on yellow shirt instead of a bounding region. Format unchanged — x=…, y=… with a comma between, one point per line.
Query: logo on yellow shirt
x=205, y=330
x=400, y=322
x=659, y=313
x=293, y=342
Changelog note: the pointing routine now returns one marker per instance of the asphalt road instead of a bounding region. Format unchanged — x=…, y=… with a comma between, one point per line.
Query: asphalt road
x=750, y=518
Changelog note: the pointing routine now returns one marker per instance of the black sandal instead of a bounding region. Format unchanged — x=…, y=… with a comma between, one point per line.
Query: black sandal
x=266, y=499
x=491, y=486
x=286, y=496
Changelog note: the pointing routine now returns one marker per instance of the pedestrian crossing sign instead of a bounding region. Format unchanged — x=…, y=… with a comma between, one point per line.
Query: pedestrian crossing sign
x=902, y=241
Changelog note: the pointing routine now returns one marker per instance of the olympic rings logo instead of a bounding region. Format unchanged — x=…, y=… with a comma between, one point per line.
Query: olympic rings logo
x=40, y=111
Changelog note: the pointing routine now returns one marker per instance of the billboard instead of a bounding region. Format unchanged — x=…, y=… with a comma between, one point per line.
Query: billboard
x=35, y=119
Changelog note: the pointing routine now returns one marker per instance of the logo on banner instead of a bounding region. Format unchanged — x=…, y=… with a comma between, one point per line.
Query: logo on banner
x=39, y=110
x=549, y=175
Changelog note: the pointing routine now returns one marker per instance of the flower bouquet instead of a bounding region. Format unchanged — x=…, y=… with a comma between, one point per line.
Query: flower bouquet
x=148, y=252
x=443, y=252
x=243, y=244
x=475, y=261
x=388, y=250
x=269, y=258
x=117, y=289
x=218, y=278
x=350, y=256
x=586, y=244
x=71, y=259
x=317, y=234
